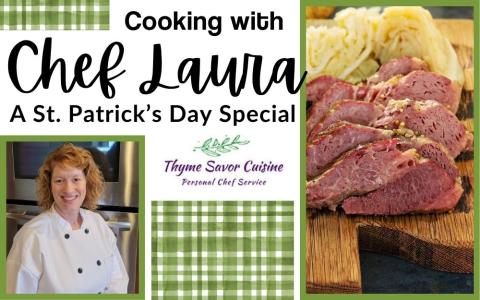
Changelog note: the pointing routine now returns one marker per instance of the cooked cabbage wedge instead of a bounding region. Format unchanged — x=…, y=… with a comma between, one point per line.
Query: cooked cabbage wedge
x=411, y=31
x=360, y=37
x=342, y=49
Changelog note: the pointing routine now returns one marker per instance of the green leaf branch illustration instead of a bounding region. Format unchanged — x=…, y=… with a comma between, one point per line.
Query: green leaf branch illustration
x=214, y=147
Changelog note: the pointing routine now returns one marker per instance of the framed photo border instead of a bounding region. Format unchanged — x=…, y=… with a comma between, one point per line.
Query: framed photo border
x=141, y=213
x=303, y=286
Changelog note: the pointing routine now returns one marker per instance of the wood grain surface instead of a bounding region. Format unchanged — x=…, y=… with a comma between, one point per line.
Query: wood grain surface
x=438, y=241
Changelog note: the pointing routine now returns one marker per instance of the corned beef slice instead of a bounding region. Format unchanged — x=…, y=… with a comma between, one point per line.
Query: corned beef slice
x=344, y=136
x=420, y=86
x=317, y=87
x=417, y=85
x=398, y=66
x=401, y=66
x=360, y=171
x=428, y=118
x=338, y=91
x=425, y=188
x=353, y=111
x=337, y=139
x=428, y=148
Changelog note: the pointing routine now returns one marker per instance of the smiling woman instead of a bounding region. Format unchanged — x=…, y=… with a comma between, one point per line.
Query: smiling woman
x=67, y=248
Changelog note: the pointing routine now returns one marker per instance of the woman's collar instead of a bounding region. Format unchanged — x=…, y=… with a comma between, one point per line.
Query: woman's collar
x=64, y=223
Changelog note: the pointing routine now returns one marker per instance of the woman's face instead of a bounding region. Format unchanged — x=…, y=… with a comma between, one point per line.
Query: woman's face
x=69, y=187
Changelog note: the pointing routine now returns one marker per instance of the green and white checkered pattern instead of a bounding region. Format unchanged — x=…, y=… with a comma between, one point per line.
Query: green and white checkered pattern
x=54, y=14
x=222, y=250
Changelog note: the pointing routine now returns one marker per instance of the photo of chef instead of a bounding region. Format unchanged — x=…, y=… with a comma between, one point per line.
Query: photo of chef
x=72, y=245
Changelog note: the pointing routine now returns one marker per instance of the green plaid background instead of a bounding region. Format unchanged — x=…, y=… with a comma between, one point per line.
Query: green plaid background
x=222, y=250
x=54, y=14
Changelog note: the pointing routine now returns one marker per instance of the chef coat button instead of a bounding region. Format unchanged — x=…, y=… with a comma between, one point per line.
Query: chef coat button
x=87, y=231
x=99, y=262
x=80, y=270
x=67, y=236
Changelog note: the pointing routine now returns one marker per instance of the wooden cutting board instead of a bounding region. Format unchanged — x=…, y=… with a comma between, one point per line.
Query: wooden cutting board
x=438, y=241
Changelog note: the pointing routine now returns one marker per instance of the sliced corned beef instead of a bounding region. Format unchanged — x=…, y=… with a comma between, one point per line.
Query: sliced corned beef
x=428, y=118
x=428, y=148
x=418, y=85
x=354, y=111
x=337, y=139
x=425, y=188
x=343, y=136
x=403, y=163
x=397, y=66
x=400, y=66
x=360, y=171
x=338, y=91
x=317, y=87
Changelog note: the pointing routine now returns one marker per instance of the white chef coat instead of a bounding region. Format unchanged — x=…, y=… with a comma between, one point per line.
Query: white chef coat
x=47, y=256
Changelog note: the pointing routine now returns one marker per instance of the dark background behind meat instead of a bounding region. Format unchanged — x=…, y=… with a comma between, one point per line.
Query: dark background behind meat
x=386, y=274
x=442, y=12
x=451, y=12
